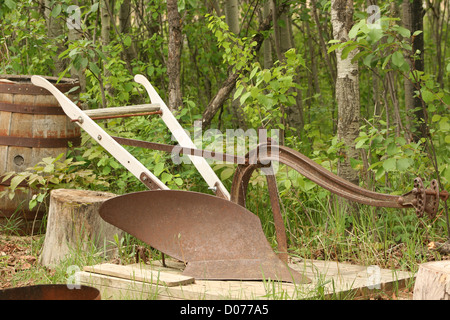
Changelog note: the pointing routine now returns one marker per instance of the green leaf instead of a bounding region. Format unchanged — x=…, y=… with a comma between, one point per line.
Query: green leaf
x=16, y=181
x=447, y=139
x=41, y=197
x=238, y=92
x=427, y=95
x=334, y=47
x=360, y=143
x=32, y=204
x=436, y=118
x=94, y=68
x=374, y=35
x=354, y=30
x=287, y=183
x=252, y=74
x=403, y=164
x=392, y=149
x=380, y=173
x=390, y=164
x=386, y=60
x=267, y=76
x=346, y=51
x=165, y=177
x=10, y=4
x=56, y=10
x=397, y=59
x=159, y=167
x=94, y=7
x=265, y=100
x=403, y=31
x=106, y=170
x=368, y=60
x=225, y=174
x=444, y=124
x=244, y=97
x=127, y=41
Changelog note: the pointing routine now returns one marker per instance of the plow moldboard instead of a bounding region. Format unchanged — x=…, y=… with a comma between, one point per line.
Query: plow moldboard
x=217, y=238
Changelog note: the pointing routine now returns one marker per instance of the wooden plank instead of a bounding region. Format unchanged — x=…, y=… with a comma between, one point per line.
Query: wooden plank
x=140, y=273
x=338, y=280
x=116, y=111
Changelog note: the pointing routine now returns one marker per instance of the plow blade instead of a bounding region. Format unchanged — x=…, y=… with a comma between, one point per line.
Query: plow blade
x=216, y=238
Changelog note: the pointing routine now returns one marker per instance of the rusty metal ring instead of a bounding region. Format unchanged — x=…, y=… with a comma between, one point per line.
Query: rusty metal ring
x=419, y=191
x=433, y=200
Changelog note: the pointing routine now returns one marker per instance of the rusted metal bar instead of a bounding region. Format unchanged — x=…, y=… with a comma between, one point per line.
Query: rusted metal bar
x=419, y=198
x=177, y=150
x=326, y=179
x=277, y=217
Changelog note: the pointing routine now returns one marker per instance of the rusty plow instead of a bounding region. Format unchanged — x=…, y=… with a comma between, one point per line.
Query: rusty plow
x=216, y=236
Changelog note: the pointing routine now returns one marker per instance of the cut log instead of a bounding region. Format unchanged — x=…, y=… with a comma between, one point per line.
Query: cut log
x=433, y=281
x=74, y=225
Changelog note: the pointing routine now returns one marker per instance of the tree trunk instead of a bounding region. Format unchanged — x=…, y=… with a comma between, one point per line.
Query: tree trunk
x=105, y=18
x=74, y=225
x=323, y=46
x=130, y=53
x=173, y=61
x=75, y=33
x=232, y=19
x=433, y=281
x=283, y=42
x=267, y=45
x=412, y=17
x=347, y=89
x=54, y=31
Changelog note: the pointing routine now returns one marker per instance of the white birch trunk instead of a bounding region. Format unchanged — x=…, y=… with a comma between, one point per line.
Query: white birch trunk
x=347, y=88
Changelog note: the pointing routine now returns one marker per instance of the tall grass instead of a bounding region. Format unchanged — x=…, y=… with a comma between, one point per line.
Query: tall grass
x=319, y=227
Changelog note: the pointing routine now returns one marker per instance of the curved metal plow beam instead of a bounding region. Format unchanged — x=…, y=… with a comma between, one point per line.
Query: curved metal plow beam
x=266, y=153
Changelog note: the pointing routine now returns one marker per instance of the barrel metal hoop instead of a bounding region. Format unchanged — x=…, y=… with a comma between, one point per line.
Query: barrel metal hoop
x=31, y=89
x=39, y=142
x=22, y=108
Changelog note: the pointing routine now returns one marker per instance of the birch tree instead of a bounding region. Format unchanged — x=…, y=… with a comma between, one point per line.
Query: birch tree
x=347, y=89
x=232, y=19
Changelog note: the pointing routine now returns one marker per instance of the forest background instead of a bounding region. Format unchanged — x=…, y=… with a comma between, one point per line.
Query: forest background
x=360, y=87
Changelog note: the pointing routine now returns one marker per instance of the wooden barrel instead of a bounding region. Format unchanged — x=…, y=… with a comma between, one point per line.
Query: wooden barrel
x=33, y=126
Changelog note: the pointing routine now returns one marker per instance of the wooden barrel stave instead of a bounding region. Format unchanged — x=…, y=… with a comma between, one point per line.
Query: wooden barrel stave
x=32, y=126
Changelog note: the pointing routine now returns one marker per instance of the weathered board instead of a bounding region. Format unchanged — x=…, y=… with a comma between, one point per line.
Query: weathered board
x=138, y=273
x=329, y=279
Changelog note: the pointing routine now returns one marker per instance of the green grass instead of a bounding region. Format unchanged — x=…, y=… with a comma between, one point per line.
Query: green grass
x=317, y=227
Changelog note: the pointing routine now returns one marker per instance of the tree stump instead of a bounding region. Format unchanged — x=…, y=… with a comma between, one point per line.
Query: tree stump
x=433, y=281
x=74, y=225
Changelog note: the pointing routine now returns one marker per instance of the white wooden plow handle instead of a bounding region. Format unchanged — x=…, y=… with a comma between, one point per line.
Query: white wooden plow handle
x=183, y=138
x=103, y=138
